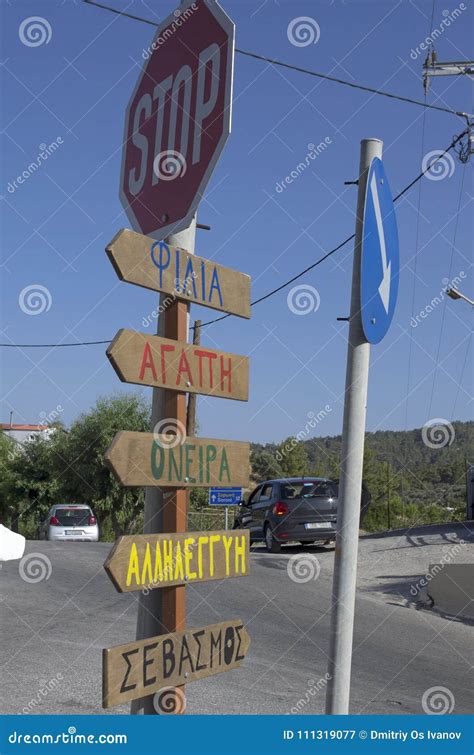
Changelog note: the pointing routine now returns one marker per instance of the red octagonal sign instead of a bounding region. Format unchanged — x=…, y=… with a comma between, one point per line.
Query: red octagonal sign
x=178, y=118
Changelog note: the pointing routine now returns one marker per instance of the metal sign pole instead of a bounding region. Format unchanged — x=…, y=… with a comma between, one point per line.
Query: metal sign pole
x=352, y=459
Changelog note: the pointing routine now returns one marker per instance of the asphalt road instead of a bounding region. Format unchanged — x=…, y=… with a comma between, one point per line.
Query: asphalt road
x=53, y=630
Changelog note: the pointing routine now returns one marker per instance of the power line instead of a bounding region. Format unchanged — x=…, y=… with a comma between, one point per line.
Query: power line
x=51, y=345
x=349, y=238
x=273, y=291
x=299, y=69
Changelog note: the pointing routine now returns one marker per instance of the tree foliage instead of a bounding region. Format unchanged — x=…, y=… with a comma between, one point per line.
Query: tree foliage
x=83, y=474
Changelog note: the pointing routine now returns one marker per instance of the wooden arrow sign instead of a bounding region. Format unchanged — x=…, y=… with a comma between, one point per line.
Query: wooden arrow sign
x=173, y=460
x=165, y=363
x=144, y=667
x=156, y=265
x=138, y=562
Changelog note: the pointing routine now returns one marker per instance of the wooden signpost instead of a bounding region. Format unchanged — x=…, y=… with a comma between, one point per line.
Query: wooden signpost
x=154, y=264
x=138, y=562
x=164, y=363
x=143, y=667
x=160, y=199
x=138, y=459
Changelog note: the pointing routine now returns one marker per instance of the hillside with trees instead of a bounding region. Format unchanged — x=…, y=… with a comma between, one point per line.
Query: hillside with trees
x=410, y=480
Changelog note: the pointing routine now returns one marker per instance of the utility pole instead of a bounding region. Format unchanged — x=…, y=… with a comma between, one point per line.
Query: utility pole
x=163, y=611
x=191, y=415
x=352, y=458
x=433, y=67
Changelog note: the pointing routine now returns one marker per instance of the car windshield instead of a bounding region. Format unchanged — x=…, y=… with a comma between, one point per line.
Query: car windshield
x=73, y=516
x=319, y=488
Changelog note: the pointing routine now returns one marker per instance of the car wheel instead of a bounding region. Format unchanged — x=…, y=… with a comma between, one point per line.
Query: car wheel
x=273, y=546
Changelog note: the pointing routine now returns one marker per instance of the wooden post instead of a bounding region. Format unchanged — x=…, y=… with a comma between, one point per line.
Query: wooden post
x=164, y=611
x=175, y=501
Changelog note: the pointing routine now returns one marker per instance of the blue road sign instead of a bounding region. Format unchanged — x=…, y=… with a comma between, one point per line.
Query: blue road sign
x=224, y=496
x=380, y=263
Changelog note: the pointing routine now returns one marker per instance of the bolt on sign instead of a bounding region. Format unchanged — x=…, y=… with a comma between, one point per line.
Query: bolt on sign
x=165, y=363
x=178, y=118
x=168, y=460
x=155, y=265
x=144, y=667
x=144, y=562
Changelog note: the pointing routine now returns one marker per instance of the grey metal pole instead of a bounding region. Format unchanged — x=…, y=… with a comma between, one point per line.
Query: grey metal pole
x=352, y=459
x=150, y=603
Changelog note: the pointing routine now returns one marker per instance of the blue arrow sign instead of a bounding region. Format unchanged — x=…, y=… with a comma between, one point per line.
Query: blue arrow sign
x=380, y=262
x=224, y=496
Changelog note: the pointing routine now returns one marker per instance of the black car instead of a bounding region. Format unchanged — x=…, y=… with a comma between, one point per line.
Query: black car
x=302, y=509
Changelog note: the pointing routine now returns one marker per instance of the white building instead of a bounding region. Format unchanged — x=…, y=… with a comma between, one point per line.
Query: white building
x=22, y=433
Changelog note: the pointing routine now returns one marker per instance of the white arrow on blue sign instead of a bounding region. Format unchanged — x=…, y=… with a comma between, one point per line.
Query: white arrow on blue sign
x=224, y=496
x=380, y=260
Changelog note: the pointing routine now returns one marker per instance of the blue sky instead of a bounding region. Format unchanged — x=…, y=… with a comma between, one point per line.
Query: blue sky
x=74, y=90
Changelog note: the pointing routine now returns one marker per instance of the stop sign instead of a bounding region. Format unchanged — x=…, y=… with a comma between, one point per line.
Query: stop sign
x=178, y=118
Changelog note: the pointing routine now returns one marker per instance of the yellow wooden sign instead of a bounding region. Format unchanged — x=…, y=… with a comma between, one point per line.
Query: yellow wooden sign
x=156, y=265
x=165, y=363
x=143, y=667
x=143, y=562
x=139, y=459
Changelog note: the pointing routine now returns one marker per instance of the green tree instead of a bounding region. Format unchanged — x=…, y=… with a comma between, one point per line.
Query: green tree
x=292, y=457
x=264, y=465
x=83, y=474
x=9, y=499
x=34, y=472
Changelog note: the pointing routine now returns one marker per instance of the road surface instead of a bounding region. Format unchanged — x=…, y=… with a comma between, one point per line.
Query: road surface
x=53, y=629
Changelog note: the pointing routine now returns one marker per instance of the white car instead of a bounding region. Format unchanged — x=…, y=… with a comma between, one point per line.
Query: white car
x=69, y=521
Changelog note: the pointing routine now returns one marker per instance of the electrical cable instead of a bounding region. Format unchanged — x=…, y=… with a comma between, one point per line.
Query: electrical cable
x=299, y=69
x=278, y=288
